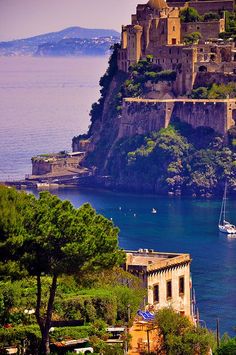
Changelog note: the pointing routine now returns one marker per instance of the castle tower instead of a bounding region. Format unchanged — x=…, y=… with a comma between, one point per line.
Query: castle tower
x=154, y=25
x=157, y=4
x=134, y=34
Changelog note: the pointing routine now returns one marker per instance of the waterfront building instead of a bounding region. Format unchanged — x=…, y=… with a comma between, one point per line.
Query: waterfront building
x=166, y=276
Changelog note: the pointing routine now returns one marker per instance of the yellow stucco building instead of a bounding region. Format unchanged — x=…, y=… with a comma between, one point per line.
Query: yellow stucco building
x=166, y=277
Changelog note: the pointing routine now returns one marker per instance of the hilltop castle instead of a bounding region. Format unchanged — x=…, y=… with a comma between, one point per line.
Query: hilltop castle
x=133, y=103
x=156, y=30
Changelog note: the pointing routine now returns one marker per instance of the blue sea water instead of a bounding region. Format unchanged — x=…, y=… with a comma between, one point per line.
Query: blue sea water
x=180, y=225
x=44, y=102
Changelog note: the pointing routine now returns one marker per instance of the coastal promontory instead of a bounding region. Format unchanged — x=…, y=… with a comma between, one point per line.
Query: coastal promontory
x=165, y=121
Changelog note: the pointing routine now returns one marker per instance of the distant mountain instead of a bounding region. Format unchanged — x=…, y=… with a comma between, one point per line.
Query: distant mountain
x=37, y=45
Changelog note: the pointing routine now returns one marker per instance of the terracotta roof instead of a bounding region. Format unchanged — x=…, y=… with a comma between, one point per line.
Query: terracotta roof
x=157, y=4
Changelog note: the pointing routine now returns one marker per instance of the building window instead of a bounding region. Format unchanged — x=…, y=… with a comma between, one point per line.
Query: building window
x=156, y=293
x=173, y=28
x=181, y=285
x=169, y=289
x=169, y=51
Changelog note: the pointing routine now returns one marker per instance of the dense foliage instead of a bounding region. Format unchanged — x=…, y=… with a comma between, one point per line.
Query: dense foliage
x=47, y=236
x=192, y=38
x=227, y=346
x=189, y=14
x=230, y=26
x=181, y=337
x=93, y=300
x=215, y=91
x=105, y=81
x=178, y=159
x=139, y=75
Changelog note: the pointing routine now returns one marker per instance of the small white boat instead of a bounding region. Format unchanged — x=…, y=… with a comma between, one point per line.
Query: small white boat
x=225, y=226
x=154, y=211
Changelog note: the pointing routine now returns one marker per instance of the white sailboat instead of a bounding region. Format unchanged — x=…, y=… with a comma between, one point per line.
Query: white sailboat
x=224, y=225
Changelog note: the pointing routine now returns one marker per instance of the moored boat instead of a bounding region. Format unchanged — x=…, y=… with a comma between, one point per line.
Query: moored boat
x=223, y=225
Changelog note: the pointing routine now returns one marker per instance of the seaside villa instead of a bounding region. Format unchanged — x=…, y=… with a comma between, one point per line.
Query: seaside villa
x=166, y=276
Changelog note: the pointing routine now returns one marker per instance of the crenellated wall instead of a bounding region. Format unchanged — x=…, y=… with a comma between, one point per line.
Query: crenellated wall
x=141, y=116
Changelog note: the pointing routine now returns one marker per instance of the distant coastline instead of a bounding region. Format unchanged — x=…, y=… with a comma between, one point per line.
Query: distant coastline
x=72, y=41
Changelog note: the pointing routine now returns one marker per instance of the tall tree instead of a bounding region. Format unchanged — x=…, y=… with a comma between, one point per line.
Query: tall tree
x=57, y=239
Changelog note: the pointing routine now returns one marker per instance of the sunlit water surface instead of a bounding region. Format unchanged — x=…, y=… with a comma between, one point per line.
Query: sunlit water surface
x=180, y=225
x=44, y=102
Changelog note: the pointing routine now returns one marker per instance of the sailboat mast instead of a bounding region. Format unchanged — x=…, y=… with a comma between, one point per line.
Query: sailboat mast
x=222, y=211
x=224, y=202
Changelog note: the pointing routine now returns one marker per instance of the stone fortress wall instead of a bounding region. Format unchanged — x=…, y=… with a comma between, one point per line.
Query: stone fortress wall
x=141, y=116
x=156, y=30
x=204, y=6
x=208, y=30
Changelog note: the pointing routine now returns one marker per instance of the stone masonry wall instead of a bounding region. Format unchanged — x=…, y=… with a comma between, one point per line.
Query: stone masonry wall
x=208, y=30
x=205, y=6
x=46, y=166
x=208, y=114
x=209, y=78
x=140, y=116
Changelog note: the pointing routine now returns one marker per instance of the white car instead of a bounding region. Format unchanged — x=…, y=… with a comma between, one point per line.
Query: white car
x=88, y=350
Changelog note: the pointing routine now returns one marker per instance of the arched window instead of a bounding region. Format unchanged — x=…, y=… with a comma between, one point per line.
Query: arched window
x=202, y=69
x=212, y=58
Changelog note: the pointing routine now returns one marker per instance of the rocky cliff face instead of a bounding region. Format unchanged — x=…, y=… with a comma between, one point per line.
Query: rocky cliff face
x=105, y=120
x=130, y=140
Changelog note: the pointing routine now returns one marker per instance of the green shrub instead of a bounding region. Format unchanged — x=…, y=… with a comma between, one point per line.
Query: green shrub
x=192, y=38
x=211, y=16
x=180, y=337
x=189, y=14
x=227, y=347
x=16, y=335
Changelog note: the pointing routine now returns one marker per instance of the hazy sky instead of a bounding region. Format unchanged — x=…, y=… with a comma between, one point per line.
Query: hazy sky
x=25, y=18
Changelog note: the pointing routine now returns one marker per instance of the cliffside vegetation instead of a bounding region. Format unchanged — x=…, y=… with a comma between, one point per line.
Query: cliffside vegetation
x=139, y=74
x=215, y=91
x=230, y=25
x=192, y=38
x=175, y=160
x=189, y=14
x=115, y=86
